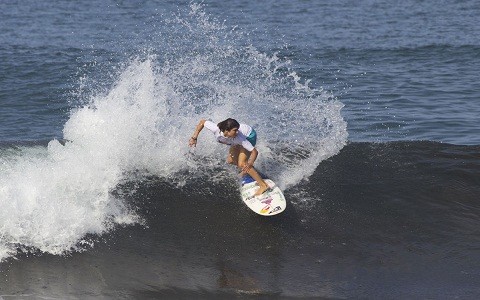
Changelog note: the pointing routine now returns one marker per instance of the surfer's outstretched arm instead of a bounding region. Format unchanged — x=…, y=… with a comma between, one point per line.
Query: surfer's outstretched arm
x=193, y=140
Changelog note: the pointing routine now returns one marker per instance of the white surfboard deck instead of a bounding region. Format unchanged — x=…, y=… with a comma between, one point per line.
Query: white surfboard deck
x=270, y=203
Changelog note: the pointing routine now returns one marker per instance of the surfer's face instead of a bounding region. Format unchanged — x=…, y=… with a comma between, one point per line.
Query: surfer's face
x=231, y=133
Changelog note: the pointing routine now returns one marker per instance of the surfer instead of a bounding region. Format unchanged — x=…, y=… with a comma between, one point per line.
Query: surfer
x=242, y=139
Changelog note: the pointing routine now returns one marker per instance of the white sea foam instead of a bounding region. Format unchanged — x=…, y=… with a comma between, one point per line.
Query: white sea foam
x=51, y=198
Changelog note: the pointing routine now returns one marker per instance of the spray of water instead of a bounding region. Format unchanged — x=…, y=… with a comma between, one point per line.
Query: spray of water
x=53, y=197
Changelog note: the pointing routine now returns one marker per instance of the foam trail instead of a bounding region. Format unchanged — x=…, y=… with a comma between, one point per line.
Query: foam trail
x=51, y=200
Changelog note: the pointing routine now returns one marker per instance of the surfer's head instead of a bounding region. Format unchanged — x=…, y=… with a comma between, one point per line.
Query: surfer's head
x=229, y=127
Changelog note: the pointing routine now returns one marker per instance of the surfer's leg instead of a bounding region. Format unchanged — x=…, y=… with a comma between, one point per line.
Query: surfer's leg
x=232, y=157
x=242, y=158
x=263, y=186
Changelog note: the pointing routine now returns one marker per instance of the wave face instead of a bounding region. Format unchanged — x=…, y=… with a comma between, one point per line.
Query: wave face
x=53, y=197
x=100, y=196
x=378, y=220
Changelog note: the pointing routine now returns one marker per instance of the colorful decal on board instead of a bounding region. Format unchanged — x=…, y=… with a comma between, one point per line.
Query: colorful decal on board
x=265, y=209
x=268, y=200
x=275, y=209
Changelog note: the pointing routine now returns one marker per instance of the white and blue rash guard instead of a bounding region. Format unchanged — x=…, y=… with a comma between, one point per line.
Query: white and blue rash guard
x=245, y=132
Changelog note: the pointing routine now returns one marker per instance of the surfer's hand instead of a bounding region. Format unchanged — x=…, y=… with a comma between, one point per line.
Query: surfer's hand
x=192, y=142
x=246, y=168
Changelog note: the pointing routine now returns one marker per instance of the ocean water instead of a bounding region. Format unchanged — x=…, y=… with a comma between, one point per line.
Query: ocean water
x=367, y=115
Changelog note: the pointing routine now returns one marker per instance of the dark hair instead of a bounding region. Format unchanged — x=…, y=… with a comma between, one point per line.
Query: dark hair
x=228, y=125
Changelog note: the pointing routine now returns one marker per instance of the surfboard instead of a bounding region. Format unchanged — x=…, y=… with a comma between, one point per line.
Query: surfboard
x=270, y=203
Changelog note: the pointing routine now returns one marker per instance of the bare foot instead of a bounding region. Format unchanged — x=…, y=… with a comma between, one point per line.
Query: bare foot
x=262, y=189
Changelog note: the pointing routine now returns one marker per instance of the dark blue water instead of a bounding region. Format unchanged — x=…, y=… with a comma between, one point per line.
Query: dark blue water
x=404, y=70
x=367, y=115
